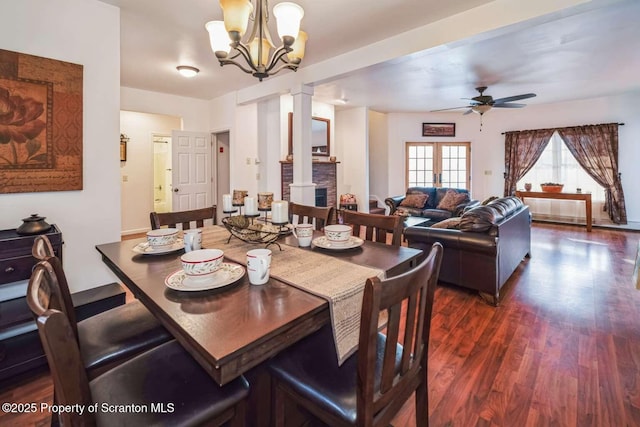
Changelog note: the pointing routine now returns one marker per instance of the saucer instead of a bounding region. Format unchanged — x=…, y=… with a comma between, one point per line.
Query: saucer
x=227, y=274
x=146, y=249
x=324, y=243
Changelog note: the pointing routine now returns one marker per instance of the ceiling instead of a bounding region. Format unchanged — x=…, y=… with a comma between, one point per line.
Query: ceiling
x=589, y=53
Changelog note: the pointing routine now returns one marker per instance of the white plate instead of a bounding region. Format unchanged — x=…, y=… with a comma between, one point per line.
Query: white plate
x=146, y=249
x=226, y=275
x=324, y=243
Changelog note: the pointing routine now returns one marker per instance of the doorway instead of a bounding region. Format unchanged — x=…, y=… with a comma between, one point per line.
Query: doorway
x=221, y=168
x=162, y=173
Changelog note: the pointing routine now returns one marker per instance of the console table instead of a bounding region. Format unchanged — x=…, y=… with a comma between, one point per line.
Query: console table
x=586, y=197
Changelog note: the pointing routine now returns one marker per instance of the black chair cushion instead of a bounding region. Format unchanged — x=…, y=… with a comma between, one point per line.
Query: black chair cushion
x=118, y=334
x=310, y=368
x=166, y=374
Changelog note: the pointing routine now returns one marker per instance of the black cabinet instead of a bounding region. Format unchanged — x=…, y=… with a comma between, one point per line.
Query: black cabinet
x=20, y=348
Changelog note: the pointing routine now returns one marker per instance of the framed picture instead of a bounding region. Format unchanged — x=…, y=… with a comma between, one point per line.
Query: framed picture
x=438, y=129
x=123, y=147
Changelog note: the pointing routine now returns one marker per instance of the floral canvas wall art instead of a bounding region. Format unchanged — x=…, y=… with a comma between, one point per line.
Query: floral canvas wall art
x=40, y=124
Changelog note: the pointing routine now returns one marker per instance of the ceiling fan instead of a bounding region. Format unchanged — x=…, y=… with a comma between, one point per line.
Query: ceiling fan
x=482, y=103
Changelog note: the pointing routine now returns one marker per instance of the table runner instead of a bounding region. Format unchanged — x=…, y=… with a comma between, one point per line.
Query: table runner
x=340, y=282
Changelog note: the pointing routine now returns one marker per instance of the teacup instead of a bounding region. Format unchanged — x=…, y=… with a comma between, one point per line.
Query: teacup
x=258, y=266
x=192, y=239
x=304, y=234
x=338, y=234
x=202, y=263
x=162, y=237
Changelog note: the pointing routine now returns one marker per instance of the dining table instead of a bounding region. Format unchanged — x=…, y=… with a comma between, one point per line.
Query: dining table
x=233, y=329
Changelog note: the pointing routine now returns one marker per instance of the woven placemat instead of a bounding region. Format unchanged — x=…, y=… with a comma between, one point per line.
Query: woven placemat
x=340, y=282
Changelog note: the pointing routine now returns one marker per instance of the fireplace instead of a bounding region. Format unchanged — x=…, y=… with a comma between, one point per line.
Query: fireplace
x=321, y=197
x=323, y=175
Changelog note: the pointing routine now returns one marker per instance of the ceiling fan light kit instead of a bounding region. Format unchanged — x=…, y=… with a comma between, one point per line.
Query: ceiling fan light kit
x=256, y=50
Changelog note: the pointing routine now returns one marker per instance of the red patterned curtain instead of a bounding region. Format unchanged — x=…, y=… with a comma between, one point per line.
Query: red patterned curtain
x=522, y=151
x=595, y=147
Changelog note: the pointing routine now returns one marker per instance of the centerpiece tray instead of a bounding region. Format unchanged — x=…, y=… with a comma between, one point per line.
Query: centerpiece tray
x=254, y=231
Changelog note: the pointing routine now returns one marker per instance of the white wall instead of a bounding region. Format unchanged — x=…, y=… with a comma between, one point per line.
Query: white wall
x=83, y=32
x=137, y=172
x=378, y=145
x=487, y=155
x=194, y=112
x=352, y=133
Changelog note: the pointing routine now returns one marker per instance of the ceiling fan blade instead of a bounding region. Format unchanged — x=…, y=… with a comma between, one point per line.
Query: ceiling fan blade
x=469, y=111
x=509, y=105
x=513, y=98
x=445, y=109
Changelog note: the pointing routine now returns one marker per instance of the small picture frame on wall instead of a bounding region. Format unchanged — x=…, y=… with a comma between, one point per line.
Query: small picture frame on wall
x=123, y=147
x=438, y=129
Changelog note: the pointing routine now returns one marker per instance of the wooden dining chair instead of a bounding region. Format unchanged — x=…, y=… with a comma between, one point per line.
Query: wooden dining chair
x=375, y=227
x=108, y=338
x=307, y=214
x=172, y=219
x=166, y=380
x=372, y=385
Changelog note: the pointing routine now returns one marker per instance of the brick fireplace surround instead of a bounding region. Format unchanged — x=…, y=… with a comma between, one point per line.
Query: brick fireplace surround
x=323, y=175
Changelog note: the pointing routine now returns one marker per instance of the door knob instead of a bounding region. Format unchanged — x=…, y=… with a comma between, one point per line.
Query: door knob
x=175, y=190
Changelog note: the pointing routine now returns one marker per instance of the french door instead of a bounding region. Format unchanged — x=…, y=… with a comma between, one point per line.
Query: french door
x=438, y=164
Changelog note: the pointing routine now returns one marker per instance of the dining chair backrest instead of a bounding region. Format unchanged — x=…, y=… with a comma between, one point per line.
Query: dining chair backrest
x=374, y=227
x=172, y=219
x=60, y=298
x=307, y=214
x=70, y=380
x=407, y=300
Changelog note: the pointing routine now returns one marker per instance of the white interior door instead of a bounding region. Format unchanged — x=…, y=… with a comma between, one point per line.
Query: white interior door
x=191, y=170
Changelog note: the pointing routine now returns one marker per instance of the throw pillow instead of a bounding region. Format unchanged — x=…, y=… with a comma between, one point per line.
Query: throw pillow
x=402, y=212
x=417, y=200
x=448, y=223
x=489, y=199
x=451, y=199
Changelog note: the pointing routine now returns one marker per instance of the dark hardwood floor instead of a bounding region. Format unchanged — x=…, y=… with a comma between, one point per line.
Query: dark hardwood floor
x=562, y=349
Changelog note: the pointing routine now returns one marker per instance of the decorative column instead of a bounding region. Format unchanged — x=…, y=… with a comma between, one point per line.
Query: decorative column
x=302, y=188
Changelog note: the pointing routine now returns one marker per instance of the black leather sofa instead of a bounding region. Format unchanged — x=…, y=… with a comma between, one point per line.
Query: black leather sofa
x=429, y=210
x=486, y=247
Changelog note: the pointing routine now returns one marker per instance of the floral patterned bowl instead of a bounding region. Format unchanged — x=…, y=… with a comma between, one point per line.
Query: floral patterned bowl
x=162, y=237
x=338, y=234
x=201, y=263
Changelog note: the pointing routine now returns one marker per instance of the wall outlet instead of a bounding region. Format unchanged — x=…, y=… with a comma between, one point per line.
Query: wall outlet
x=248, y=160
x=258, y=176
x=488, y=172
x=125, y=178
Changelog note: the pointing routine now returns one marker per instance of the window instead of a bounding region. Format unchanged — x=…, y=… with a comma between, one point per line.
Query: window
x=557, y=164
x=438, y=164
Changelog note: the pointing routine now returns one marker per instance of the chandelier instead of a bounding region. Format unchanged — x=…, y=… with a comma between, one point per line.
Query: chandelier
x=227, y=35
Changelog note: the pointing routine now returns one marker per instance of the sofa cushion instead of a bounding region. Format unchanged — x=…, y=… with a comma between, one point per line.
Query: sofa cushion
x=482, y=218
x=451, y=200
x=436, y=214
x=448, y=223
x=478, y=219
x=415, y=200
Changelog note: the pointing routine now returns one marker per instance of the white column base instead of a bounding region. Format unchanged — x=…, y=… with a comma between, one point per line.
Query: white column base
x=304, y=194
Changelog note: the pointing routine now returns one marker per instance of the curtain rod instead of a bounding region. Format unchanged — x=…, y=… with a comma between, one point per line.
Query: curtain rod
x=619, y=124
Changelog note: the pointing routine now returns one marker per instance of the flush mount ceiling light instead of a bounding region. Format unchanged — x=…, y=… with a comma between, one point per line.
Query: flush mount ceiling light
x=187, y=71
x=255, y=50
